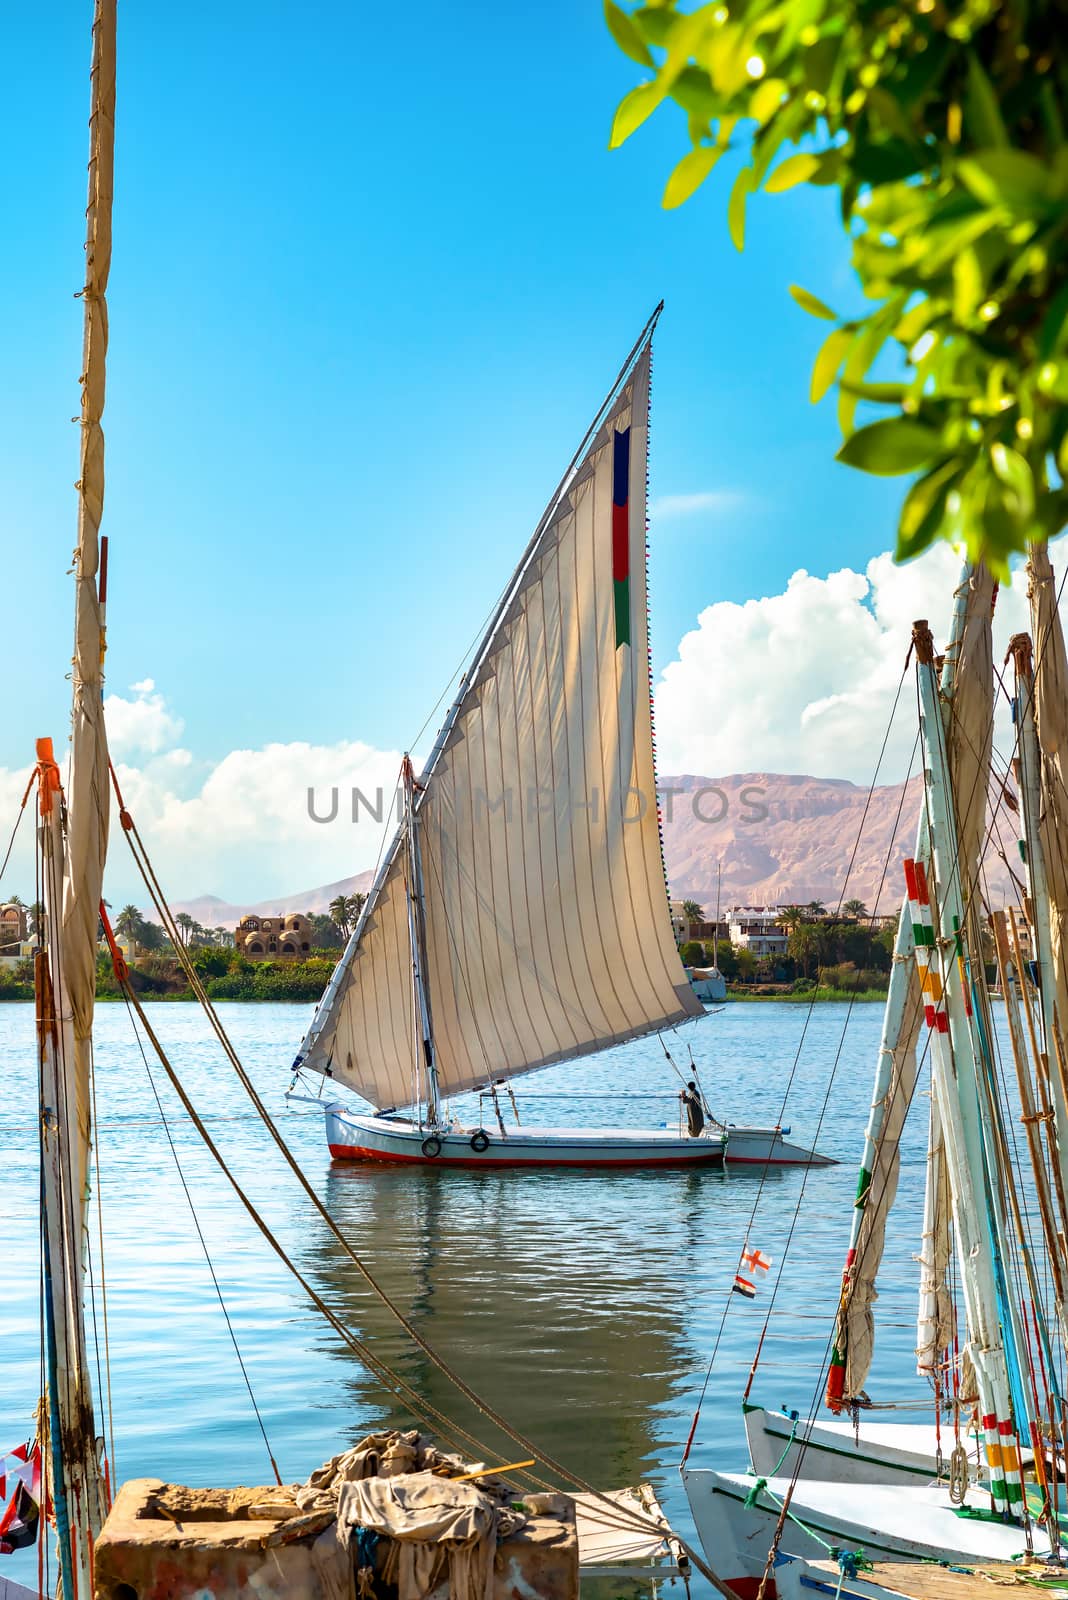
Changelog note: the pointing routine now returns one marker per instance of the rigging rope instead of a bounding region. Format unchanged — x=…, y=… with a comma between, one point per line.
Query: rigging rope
x=390, y=1380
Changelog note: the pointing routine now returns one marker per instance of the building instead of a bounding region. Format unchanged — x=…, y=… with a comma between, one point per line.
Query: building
x=758, y=929
x=1023, y=932
x=13, y=928
x=707, y=932
x=286, y=937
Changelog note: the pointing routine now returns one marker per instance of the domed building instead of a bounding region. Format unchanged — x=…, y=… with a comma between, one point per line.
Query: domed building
x=286, y=937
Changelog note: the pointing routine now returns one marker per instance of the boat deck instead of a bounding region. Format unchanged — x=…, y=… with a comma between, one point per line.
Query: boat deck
x=925, y=1581
x=610, y=1548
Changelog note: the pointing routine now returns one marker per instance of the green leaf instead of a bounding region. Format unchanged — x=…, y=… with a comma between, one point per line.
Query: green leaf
x=693, y=90
x=626, y=35
x=794, y=170
x=982, y=111
x=924, y=510
x=809, y=303
x=878, y=394
x=1053, y=325
x=1052, y=512
x=831, y=355
x=743, y=188
x=1013, y=471
x=654, y=23
x=891, y=447
x=632, y=111
x=1007, y=177
x=968, y=286
x=690, y=174
x=766, y=99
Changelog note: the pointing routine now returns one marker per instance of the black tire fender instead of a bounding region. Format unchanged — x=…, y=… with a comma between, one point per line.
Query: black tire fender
x=480, y=1141
x=431, y=1147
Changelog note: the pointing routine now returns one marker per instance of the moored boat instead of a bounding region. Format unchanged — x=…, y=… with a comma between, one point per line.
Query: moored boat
x=520, y=917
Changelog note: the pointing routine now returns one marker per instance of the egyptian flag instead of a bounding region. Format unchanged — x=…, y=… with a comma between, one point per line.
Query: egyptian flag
x=20, y=1497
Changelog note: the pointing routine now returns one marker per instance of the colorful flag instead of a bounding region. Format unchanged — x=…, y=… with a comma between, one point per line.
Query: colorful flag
x=756, y=1261
x=20, y=1516
x=743, y=1287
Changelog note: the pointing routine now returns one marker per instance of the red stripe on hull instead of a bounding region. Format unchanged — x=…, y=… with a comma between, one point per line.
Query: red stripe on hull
x=749, y=1588
x=350, y=1152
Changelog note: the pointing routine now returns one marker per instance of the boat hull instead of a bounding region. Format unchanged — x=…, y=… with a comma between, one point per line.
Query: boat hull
x=885, y=1522
x=355, y=1137
x=352, y=1137
x=901, y=1453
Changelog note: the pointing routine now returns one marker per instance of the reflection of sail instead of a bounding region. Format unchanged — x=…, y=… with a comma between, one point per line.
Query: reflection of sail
x=575, y=1329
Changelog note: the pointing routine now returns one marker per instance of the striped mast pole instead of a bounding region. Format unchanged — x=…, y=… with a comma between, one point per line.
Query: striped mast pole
x=896, y=1022
x=957, y=1082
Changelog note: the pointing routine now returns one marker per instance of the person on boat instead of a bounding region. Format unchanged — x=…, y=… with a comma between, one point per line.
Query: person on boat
x=695, y=1114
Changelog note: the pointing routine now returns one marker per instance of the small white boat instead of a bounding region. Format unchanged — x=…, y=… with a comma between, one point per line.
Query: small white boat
x=708, y=984
x=356, y=1136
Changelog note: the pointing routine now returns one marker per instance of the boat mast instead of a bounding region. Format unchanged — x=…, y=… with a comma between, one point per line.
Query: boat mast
x=417, y=933
x=958, y=1084
x=72, y=1465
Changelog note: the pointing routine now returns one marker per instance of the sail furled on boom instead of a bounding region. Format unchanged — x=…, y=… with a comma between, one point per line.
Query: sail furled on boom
x=87, y=788
x=1051, y=722
x=548, y=930
x=967, y=683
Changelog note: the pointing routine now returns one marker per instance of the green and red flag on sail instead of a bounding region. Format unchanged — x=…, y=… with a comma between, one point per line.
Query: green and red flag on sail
x=621, y=532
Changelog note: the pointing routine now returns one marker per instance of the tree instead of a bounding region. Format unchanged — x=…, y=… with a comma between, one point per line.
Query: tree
x=855, y=908
x=150, y=937
x=37, y=917
x=942, y=127
x=185, y=924
x=815, y=908
x=746, y=965
x=692, y=953
x=803, y=945
x=790, y=916
x=339, y=913
x=128, y=925
x=325, y=932
x=692, y=911
x=726, y=959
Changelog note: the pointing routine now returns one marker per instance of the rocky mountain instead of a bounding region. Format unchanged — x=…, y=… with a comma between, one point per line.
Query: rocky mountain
x=783, y=838
x=776, y=838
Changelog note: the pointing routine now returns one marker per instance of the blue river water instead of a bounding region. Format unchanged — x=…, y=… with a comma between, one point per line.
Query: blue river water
x=583, y=1306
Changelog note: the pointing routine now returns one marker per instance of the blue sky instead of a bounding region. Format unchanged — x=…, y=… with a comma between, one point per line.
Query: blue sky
x=373, y=272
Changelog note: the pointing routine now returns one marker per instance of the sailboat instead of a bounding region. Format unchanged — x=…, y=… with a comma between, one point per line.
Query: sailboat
x=520, y=916
x=984, y=1480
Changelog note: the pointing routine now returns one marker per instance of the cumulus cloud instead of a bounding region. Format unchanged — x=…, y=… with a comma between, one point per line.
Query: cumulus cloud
x=142, y=724
x=666, y=506
x=804, y=681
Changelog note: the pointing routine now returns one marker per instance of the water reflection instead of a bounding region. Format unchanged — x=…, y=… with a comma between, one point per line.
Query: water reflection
x=564, y=1298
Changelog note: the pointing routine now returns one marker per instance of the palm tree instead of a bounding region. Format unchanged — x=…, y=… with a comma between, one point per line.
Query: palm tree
x=128, y=924
x=855, y=908
x=791, y=916
x=186, y=924
x=816, y=908
x=692, y=911
x=357, y=902
x=36, y=914
x=338, y=910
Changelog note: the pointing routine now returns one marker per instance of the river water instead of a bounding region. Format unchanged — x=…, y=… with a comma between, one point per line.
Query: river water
x=585, y=1307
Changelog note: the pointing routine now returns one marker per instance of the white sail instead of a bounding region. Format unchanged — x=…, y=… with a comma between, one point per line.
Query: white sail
x=936, y=1323
x=1051, y=721
x=548, y=932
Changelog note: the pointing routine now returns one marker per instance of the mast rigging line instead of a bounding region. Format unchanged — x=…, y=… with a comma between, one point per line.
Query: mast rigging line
x=390, y=1380
x=203, y=1243
x=793, y=1072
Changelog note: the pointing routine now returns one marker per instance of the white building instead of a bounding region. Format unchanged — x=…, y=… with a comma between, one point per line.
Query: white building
x=758, y=929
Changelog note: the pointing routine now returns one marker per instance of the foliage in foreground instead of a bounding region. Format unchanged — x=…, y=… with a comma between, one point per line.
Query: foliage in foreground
x=941, y=123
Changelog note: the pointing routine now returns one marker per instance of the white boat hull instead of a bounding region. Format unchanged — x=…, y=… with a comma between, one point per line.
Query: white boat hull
x=352, y=1137
x=887, y=1523
x=831, y=1451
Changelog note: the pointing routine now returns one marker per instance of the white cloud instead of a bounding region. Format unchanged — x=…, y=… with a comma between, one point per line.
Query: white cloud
x=141, y=724
x=666, y=506
x=804, y=681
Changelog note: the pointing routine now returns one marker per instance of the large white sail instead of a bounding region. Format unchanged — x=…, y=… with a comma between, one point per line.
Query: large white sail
x=548, y=932
x=1051, y=719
